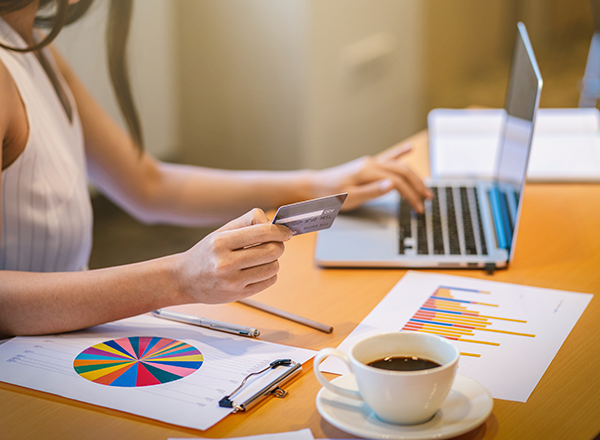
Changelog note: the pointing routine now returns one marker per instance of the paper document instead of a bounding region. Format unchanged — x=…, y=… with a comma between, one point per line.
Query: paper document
x=566, y=144
x=303, y=434
x=172, y=372
x=507, y=334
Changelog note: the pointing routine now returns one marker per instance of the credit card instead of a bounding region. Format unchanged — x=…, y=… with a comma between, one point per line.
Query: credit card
x=310, y=215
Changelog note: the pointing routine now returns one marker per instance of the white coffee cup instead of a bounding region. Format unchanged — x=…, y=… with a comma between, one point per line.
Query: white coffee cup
x=399, y=397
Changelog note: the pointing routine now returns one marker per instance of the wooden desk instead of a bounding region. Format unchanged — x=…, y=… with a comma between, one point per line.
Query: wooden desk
x=558, y=247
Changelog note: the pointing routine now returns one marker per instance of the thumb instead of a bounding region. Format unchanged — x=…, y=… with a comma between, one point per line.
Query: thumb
x=361, y=194
x=254, y=217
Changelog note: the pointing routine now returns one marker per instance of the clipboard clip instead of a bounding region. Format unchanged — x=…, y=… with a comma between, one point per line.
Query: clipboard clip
x=271, y=389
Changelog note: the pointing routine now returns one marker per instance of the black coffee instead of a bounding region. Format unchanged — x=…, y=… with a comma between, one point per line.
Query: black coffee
x=403, y=363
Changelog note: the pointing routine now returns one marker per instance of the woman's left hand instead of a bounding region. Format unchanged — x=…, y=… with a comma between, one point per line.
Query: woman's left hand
x=372, y=176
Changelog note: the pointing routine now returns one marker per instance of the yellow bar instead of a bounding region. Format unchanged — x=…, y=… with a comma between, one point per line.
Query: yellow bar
x=485, y=304
x=456, y=309
x=438, y=333
x=450, y=305
x=455, y=331
x=461, y=320
x=478, y=342
x=504, y=319
x=443, y=292
x=506, y=332
x=466, y=317
x=470, y=354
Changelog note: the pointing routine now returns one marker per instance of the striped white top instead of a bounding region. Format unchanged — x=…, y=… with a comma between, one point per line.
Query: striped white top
x=45, y=209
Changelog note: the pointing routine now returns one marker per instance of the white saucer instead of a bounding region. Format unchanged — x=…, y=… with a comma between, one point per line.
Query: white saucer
x=467, y=406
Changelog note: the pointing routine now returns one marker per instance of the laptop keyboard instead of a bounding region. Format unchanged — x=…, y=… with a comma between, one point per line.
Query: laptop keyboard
x=450, y=225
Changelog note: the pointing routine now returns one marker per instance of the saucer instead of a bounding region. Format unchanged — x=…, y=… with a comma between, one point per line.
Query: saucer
x=467, y=406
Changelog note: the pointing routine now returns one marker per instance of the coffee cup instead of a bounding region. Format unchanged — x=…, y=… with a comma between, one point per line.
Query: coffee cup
x=421, y=371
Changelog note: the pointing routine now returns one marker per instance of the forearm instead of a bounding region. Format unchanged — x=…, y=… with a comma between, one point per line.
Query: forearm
x=223, y=267
x=41, y=303
x=225, y=193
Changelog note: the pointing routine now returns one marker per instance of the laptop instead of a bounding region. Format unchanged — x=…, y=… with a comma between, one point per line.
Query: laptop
x=469, y=223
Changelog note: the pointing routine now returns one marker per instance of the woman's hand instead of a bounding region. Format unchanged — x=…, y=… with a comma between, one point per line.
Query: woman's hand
x=369, y=177
x=235, y=261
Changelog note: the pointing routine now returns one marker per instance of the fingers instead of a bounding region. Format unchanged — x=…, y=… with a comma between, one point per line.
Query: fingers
x=377, y=178
x=255, y=216
x=394, y=153
x=249, y=281
x=415, y=182
x=410, y=186
x=235, y=261
x=360, y=194
x=258, y=255
x=251, y=229
x=251, y=289
x=253, y=236
x=407, y=191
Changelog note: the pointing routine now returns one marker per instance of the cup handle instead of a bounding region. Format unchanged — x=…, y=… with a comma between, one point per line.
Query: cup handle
x=320, y=357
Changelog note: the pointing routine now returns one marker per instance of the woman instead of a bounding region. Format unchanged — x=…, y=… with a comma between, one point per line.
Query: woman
x=55, y=136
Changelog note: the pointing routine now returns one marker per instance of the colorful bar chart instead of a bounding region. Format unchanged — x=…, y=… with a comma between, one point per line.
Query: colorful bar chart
x=507, y=334
x=458, y=319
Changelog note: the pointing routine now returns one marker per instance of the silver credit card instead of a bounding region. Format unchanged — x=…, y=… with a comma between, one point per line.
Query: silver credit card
x=310, y=215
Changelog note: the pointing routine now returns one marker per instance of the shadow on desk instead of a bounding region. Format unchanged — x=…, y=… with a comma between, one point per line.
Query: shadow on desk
x=489, y=429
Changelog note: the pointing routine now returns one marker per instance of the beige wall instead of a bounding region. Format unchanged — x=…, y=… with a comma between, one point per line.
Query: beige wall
x=364, y=77
x=278, y=84
x=241, y=70
x=152, y=68
x=282, y=84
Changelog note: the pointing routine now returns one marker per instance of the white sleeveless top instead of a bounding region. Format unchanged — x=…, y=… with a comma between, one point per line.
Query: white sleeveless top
x=45, y=210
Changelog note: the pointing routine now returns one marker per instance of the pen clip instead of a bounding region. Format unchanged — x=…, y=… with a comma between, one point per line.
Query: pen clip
x=279, y=393
x=273, y=388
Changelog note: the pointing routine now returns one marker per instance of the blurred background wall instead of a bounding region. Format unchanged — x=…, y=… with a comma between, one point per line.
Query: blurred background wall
x=153, y=66
x=282, y=85
x=468, y=46
x=311, y=83
x=272, y=84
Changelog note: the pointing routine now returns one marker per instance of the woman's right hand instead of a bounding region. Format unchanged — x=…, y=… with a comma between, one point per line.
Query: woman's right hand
x=234, y=262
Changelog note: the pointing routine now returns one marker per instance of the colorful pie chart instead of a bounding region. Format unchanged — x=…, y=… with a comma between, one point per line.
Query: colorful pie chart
x=137, y=361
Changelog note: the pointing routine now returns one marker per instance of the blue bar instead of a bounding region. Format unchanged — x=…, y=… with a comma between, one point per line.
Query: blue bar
x=431, y=322
x=497, y=214
x=459, y=288
x=439, y=310
x=505, y=219
x=451, y=299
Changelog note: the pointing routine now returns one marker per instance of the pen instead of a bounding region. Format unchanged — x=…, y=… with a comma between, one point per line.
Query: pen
x=287, y=315
x=207, y=323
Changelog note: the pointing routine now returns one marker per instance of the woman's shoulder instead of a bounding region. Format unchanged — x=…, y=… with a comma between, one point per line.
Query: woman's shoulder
x=8, y=93
x=13, y=124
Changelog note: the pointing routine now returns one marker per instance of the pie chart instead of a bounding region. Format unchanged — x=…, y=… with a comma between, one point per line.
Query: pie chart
x=137, y=361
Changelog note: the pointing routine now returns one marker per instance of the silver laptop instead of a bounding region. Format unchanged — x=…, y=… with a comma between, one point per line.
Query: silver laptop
x=469, y=223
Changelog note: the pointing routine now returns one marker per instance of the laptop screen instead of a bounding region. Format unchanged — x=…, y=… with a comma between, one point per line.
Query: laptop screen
x=522, y=100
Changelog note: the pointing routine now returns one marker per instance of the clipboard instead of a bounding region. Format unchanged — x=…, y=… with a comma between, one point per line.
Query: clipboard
x=267, y=383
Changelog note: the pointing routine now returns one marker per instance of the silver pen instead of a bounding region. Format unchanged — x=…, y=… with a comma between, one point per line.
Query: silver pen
x=207, y=323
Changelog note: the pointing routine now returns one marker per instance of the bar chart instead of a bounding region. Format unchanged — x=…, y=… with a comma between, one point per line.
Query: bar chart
x=444, y=313
x=507, y=334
